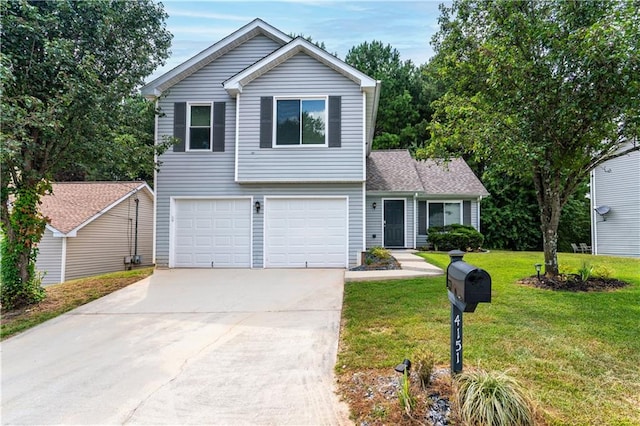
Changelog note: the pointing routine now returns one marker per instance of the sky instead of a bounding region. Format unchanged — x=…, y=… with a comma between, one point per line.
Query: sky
x=406, y=25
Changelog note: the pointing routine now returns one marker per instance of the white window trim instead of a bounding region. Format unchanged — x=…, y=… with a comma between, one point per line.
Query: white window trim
x=300, y=98
x=445, y=202
x=188, y=130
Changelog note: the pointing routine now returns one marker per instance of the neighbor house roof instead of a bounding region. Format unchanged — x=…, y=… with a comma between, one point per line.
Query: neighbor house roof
x=72, y=205
x=397, y=171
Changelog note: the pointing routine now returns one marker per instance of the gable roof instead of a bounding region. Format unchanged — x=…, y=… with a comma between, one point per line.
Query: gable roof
x=256, y=27
x=72, y=205
x=397, y=171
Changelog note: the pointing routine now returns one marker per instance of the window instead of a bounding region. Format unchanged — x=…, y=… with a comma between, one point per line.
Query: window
x=301, y=122
x=199, y=124
x=442, y=214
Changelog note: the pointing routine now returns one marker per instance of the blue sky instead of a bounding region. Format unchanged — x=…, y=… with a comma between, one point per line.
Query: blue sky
x=405, y=25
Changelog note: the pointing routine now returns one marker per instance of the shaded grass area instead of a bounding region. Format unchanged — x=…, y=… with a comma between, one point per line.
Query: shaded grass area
x=66, y=296
x=577, y=353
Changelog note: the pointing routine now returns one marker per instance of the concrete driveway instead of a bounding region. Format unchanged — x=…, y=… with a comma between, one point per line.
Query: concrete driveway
x=223, y=346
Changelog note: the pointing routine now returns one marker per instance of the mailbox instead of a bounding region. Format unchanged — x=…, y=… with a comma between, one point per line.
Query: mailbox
x=468, y=285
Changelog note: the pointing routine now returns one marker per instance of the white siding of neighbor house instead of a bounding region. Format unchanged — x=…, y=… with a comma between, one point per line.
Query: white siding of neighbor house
x=301, y=76
x=49, y=260
x=212, y=174
x=616, y=183
x=101, y=245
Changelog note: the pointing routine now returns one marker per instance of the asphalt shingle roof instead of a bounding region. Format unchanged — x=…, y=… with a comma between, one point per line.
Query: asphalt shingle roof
x=397, y=171
x=73, y=203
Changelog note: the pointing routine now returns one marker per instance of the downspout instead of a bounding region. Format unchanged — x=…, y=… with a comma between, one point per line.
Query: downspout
x=415, y=219
x=594, y=218
x=135, y=247
x=63, y=263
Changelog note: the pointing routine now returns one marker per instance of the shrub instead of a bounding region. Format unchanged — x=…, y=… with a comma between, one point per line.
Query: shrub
x=455, y=237
x=423, y=364
x=380, y=252
x=492, y=398
x=602, y=271
x=585, y=271
x=407, y=400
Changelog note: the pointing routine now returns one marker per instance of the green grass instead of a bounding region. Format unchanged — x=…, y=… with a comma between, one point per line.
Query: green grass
x=66, y=296
x=577, y=353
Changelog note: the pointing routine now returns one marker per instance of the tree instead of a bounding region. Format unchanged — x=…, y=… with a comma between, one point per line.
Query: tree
x=544, y=90
x=403, y=106
x=65, y=68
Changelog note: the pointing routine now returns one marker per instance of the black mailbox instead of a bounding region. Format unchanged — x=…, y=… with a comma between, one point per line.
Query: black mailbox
x=468, y=285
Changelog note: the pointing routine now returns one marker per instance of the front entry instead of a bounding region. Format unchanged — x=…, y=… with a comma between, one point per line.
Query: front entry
x=393, y=223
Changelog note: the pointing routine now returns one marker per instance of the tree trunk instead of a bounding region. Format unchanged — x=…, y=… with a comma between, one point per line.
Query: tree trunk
x=549, y=190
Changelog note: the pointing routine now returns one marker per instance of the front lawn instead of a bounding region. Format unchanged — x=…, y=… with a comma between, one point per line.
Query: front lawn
x=577, y=353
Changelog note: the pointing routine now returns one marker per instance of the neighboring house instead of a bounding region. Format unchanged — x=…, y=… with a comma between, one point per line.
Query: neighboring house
x=615, y=206
x=269, y=165
x=95, y=228
x=405, y=197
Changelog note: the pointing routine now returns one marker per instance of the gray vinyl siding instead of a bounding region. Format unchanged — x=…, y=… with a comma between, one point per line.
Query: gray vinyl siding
x=375, y=217
x=617, y=185
x=101, y=245
x=421, y=240
x=212, y=174
x=208, y=187
x=49, y=261
x=301, y=76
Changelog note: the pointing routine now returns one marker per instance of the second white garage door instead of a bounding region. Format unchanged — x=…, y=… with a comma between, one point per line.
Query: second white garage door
x=212, y=233
x=306, y=232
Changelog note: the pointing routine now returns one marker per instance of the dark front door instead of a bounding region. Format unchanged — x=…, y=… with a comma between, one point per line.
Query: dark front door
x=394, y=223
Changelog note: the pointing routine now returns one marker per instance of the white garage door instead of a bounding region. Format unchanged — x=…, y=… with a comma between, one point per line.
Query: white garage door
x=212, y=233
x=306, y=232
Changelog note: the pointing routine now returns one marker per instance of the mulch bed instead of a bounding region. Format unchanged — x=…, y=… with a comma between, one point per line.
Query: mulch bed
x=374, y=263
x=573, y=282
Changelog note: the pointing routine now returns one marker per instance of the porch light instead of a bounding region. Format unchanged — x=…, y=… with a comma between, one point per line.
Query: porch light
x=257, y=206
x=538, y=266
x=374, y=205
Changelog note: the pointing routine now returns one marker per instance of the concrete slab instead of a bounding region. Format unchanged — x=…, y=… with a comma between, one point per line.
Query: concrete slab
x=185, y=347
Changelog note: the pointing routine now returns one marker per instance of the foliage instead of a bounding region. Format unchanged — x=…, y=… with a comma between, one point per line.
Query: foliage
x=543, y=90
x=585, y=271
x=406, y=93
x=380, y=252
x=65, y=68
x=454, y=237
x=492, y=398
x=405, y=396
x=572, y=351
x=424, y=361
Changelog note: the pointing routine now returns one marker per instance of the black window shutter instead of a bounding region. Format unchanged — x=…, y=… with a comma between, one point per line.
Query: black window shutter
x=266, y=122
x=422, y=218
x=219, y=110
x=335, y=121
x=179, y=125
x=466, y=212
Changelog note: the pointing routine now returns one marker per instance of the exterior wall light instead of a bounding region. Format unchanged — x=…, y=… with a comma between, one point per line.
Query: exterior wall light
x=257, y=206
x=374, y=205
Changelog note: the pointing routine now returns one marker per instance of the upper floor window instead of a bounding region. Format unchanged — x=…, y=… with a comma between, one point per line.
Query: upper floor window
x=199, y=125
x=301, y=122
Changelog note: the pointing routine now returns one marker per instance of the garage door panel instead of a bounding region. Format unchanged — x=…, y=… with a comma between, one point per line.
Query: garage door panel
x=306, y=232
x=213, y=232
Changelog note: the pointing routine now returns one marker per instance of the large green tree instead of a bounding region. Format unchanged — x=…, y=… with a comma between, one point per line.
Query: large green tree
x=65, y=68
x=544, y=90
x=404, y=108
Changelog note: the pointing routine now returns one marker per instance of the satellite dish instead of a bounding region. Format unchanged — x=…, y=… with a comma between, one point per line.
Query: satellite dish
x=602, y=210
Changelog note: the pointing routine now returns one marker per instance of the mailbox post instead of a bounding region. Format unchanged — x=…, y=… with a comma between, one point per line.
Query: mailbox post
x=467, y=286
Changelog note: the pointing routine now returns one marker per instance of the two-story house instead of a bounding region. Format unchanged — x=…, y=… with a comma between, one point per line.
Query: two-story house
x=269, y=168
